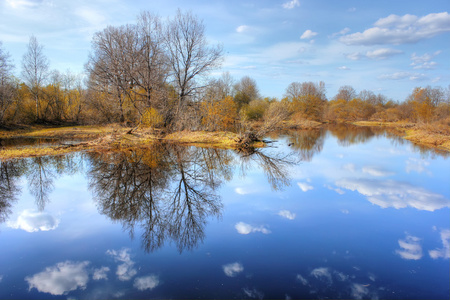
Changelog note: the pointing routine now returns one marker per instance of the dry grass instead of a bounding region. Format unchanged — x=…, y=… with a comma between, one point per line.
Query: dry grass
x=436, y=135
x=220, y=139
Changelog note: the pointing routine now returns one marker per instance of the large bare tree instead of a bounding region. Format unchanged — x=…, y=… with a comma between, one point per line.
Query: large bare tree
x=35, y=66
x=190, y=56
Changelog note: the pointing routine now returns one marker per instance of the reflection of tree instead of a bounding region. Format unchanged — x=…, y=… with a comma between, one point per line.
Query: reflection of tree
x=168, y=190
x=274, y=166
x=349, y=134
x=307, y=143
x=40, y=178
x=9, y=174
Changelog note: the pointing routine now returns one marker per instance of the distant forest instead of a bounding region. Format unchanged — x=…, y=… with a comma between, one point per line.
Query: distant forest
x=157, y=74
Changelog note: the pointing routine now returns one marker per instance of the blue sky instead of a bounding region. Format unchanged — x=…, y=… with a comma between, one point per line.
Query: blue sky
x=387, y=47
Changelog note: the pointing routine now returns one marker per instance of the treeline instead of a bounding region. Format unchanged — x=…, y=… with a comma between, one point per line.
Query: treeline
x=155, y=73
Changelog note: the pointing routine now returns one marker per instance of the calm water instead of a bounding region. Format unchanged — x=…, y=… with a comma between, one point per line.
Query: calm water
x=338, y=213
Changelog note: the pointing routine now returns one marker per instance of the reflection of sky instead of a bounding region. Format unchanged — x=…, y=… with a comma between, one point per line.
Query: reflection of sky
x=356, y=221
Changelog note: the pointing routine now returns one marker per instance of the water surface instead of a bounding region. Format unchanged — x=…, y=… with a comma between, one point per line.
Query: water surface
x=332, y=213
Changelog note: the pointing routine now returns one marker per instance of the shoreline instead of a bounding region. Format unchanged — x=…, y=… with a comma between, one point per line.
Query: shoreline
x=115, y=137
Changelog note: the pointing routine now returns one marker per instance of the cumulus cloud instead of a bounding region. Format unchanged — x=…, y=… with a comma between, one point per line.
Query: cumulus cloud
x=18, y=4
x=354, y=56
x=244, y=228
x=424, y=61
x=337, y=190
x=126, y=270
x=400, y=30
x=411, y=248
x=390, y=193
x=146, y=283
x=308, y=34
x=100, y=273
x=443, y=252
x=382, y=53
x=32, y=221
x=242, y=28
x=322, y=273
x=233, y=269
x=305, y=186
x=60, y=279
x=291, y=4
x=359, y=291
x=376, y=171
x=287, y=214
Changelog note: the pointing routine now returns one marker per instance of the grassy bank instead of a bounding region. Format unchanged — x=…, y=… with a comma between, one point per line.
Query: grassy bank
x=434, y=135
x=107, y=138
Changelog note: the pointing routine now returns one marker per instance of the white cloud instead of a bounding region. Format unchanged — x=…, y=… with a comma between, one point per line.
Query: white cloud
x=32, y=221
x=359, y=291
x=337, y=190
x=302, y=279
x=91, y=16
x=345, y=211
x=242, y=28
x=416, y=165
x=253, y=293
x=376, y=171
x=126, y=270
x=323, y=273
x=243, y=191
x=100, y=273
x=308, y=34
x=344, y=68
x=233, y=269
x=342, y=32
x=424, y=61
x=291, y=4
x=354, y=56
x=19, y=4
x=287, y=214
x=244, y=228
x=443, y=252
x=390, y=193
x=61, y=278
x=349, y=167
x=382, y=53
x=400, y=30
x=304, y=186
x=146, y=283
x=403, y=75
x=411, y=248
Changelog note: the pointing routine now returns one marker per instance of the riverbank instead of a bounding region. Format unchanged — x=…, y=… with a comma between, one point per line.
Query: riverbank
x=103, y=138
x=433, y=136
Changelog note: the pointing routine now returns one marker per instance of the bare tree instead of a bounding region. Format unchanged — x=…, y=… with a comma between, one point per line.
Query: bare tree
x=7, y=86
x=190, y=56
x=246, y=90
x=35, y=70
x=346, y=93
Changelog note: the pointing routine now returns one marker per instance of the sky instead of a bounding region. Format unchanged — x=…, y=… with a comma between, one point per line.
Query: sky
x=388, y=47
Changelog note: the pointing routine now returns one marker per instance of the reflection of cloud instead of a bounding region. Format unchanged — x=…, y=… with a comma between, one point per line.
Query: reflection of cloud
x=337, y=190
x=359, y=291
x=231, y=270
x=244, y=228
x=100, y=273
x=253, y=293
x=302, y=279
x=349, y=167
x=146, y=282
x=411, y=248
x=35, y=221
x=322, y=273
x=395, y=194
x=376, y=171
x=444, y=252
x=304, y=186
x=244, y=191
x=125, y=271
x=345, y=211
x=287, y=214
x=61, y=278
x=341, y=276
x=416, y=165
